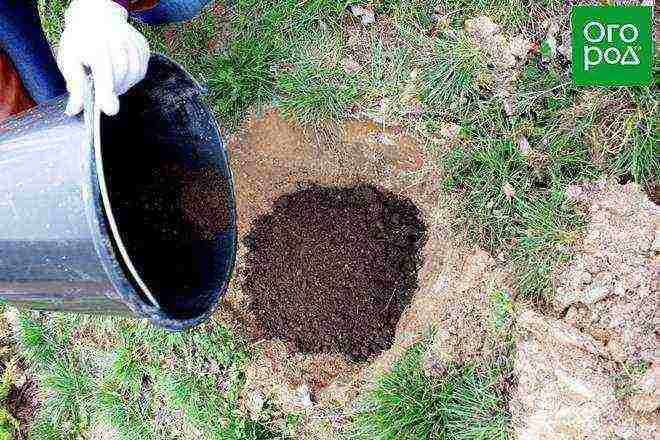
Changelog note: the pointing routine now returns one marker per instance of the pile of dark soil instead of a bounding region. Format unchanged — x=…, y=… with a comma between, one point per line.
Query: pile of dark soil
x=332, y=269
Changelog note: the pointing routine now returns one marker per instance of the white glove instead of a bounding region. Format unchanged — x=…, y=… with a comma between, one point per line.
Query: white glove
x=97, y=35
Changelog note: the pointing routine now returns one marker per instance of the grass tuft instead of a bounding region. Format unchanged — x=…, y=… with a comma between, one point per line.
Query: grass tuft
x=452, y=76
x=135, y=379
x=241, y=78
x=509, y=207
x=406, y=404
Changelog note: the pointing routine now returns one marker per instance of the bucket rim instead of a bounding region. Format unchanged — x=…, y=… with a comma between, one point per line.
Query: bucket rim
x=116, y=260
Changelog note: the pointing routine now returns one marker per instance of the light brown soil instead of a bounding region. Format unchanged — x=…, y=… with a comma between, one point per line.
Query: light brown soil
x=583, y=376
x=271, y=157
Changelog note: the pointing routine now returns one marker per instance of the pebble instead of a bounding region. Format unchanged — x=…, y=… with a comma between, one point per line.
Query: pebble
x=255, y=403
x=655, y=246
x=304, y=396
x=585, y=277
x=596, y=293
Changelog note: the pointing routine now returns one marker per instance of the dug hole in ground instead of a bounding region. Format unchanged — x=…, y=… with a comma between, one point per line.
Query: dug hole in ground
x=326, y=211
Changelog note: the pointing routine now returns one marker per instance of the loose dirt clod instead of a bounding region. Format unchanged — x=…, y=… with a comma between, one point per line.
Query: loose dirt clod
x=331, y=269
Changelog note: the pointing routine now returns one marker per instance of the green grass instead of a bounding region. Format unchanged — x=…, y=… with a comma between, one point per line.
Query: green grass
x=624, y=379
x=412, y=72
x=138, y=380
x=535, y=224
x=466, y=404
x=52, y=18
x=452, y=76
x=9, y=426
x=316, y=88
x=573, y=136
x=241, y=78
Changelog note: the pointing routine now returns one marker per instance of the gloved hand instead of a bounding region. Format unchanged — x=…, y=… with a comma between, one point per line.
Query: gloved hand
x=97, y=35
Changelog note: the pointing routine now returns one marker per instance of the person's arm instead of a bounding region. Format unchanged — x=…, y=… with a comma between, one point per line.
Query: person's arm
x=97, y=36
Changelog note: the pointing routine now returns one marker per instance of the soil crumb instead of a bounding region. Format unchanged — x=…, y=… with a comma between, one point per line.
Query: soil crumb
x=331, y=269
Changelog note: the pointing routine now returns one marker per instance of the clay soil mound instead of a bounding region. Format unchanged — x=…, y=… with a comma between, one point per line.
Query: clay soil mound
x=332, y=269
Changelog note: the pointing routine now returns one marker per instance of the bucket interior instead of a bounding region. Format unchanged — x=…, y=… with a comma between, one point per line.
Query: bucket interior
x=170, y=192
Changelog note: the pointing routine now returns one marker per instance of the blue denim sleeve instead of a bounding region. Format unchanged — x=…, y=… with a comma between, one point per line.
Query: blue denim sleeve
x=171, y=11
x=24, y=42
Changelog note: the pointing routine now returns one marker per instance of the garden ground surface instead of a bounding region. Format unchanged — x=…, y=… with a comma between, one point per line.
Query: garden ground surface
x=534, y=312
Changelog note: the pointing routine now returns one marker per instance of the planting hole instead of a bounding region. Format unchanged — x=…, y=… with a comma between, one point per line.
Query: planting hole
x=332, y=269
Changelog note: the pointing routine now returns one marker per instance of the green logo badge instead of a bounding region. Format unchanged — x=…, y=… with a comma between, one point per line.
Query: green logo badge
x=612, y=45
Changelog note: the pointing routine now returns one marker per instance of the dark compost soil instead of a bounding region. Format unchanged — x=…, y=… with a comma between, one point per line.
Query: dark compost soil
x=332, y=269
x=169, y=220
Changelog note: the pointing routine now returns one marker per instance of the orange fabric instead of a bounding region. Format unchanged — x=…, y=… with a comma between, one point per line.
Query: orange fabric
x=141, y=5
x=13, y=97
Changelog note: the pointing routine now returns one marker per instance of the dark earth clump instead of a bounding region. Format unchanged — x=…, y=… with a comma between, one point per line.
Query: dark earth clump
x=332, y=269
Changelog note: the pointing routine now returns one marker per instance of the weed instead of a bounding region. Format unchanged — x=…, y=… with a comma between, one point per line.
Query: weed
x=241, y=78
x=503, y=305
x=624, y=380
x=406, y=404
x=9, y=426
x=506, y=210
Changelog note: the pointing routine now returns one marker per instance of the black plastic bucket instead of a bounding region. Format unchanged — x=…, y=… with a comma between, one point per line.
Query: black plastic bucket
x=131, y=215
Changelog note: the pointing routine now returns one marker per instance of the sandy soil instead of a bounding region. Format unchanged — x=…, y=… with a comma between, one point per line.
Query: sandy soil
x=593, y=374
x=271, y=157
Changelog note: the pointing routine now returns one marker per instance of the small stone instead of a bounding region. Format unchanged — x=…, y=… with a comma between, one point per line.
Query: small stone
x=577, y=389
x=619, y=290
x=596, y=293
x=585, y=277
x=523, y=145
x=351, y=65
x=304, y=396
x=573, y=192
x=255, y=404
x=481, y=26
x=366, y=14
x=509, y=104
x=368, y=18
x=508, y=190
x=558, y=332
x=519, y=46
x=19, y=379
